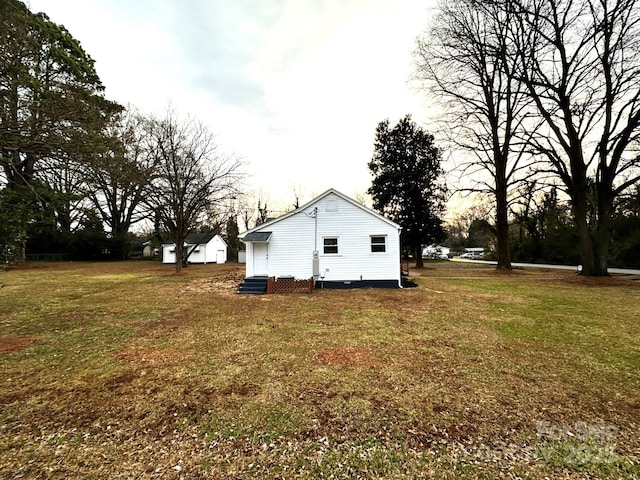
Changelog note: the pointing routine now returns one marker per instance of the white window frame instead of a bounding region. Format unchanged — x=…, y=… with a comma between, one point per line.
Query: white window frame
x=371, y=244
x=337, y=245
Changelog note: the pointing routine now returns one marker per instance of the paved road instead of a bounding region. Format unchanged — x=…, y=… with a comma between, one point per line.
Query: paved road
x=621, y=271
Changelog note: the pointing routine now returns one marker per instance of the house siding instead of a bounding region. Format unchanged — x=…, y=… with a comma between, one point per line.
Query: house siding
x=293, y=242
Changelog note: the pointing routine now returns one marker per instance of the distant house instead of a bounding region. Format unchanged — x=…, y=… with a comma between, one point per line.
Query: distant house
x=334, y=239
x=200, y=248
x=147, y=249
x=436, y=252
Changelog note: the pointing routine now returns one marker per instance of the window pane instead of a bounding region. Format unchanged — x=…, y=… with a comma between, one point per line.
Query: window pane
x=378, y=244
x=330, y=245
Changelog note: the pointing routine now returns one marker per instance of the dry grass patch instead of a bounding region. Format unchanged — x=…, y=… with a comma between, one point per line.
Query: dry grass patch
x=150, y=355
x=226, y=283
x=348, y=356
x=139, y=373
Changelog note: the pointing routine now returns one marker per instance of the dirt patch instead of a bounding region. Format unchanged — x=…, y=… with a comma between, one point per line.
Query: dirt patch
x=343, y=356
x=39, y=266
x=610, y=281
x=226, y=284
x=507, y=272
x=242, y=390
x=12, y=343
x=151, y=355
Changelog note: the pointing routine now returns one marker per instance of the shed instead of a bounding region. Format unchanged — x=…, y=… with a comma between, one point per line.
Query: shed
x=200, y=248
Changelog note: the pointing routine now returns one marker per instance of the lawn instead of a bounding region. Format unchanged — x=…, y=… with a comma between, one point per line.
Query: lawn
x=125, y=370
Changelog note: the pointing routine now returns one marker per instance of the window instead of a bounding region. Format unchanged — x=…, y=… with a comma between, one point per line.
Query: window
x=330, y=245
x=378, y=243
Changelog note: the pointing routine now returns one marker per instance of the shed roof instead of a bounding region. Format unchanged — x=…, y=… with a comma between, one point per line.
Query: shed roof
x=199, y=238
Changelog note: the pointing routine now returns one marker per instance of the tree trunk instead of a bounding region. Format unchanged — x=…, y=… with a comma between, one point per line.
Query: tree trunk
x=21, y=211
x=602, y=236
x=601, y=255
x=502, y=229
x=580, y=211
x=598, y=243
x=179, y=255
x=418, y=255
x=22, y=247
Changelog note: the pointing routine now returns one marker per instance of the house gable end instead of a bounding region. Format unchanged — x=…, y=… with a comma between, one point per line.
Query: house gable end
x=306, y=208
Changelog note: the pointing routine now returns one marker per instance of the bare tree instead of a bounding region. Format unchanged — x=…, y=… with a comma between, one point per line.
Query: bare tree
x=119, y=176
x=364, y=199
x=263, y=212
x=191, y=175
x=246, y=212
x=580, y=62
x=64, y=191
x=459, y=224
x=297, y=193
x=464, y=61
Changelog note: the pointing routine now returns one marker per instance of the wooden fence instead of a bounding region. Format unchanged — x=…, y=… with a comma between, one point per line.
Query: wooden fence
x=289, y=285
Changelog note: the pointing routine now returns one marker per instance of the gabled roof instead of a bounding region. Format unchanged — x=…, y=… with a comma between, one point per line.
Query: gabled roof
x=199, y=238
x=243, y=236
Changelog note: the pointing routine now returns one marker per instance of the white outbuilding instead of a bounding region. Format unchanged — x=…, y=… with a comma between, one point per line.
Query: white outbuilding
x=334, y=239
x=200, y=248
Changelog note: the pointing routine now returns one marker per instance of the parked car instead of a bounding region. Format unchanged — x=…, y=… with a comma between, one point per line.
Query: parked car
x=473, y=255
x=436, y=256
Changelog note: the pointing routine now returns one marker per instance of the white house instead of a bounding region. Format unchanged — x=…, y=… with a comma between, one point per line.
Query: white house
x=436, y=251
x=333, y=239
x=201, y=248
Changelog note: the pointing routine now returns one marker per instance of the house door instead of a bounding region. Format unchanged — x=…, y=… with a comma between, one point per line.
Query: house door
x=260, y=258
x=220, y=256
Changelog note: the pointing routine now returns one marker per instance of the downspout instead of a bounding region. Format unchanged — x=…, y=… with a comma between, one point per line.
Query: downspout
x=316, y=259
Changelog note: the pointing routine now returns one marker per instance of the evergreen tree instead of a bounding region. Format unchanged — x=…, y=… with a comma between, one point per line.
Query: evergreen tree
x=406, y=185
x=52, y=105
x=232, y=238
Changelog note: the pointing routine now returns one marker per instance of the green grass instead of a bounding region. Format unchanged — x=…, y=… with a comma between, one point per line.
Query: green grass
x=127, y=370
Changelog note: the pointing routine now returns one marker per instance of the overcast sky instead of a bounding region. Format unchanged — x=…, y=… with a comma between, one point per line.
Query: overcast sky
x=295, y=87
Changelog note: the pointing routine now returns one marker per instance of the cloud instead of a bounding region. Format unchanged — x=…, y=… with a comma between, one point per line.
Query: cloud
x=294, y=86
x=216, y=42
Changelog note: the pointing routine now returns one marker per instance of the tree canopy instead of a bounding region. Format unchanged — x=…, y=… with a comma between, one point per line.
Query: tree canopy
x=580, y=62
x=191, y=175
x=406, y=168
x=575, y=66
x=52, y=106
x=463, y=62
x=52, y=98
